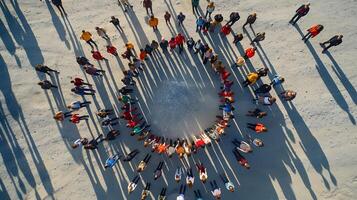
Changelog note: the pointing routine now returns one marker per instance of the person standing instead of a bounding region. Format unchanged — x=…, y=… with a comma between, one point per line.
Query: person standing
x=158, y=171
x=209, y=10
x=190, y=43
x=249, y=52
x=300, y=12
x=251, y=79
x=97, y=55
x=258, y=38
x=75, y=118
x=312, y=32
x=44, y=69
x=145, y=192
x=199, y=23
x=172, y=44
x=153, y=22
x=46, y=85
x=148, y=5
x=233, y=18
x=250, y=20
x=58, y=4
x=164, y=44
x=288, y=95
x=167, y=17
x=102, y=33
x=195, y=4
x=180, y=18
x=87, y=37
x=180, y=40
x=334, y=41
x=112, y=160
x=115, y=21
x=112, y=50
x=237, y=38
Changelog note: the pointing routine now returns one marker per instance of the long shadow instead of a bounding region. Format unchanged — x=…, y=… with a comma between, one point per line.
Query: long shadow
x=328, y=80
x=343, y=78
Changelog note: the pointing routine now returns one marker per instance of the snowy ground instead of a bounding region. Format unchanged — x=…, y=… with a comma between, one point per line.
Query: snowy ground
x=311, y=143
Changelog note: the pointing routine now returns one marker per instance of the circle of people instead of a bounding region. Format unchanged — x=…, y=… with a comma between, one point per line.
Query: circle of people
x=140, y=128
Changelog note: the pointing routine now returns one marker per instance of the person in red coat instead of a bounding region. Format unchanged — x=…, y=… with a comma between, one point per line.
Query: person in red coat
x=96, y=55
x=249, y=52
x=300, y=12
x=226, y=30
x=180, y=40
x=172, y=44
x=75, y=118
x=78, y=82
x=312, y=32
x=112, y=50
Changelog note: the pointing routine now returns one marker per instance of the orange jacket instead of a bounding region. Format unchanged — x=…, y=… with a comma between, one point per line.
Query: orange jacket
x=259, y=128
x=153, y=22
x=86, y=36
x=314, y=30
x=142, y=55
x=250, y=52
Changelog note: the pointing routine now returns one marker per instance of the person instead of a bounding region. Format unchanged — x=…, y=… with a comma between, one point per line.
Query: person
x=258, y=127
x=145, y=192
x=233, y=18
x=147, y=4
x=44, y=69
x=81, y=60
x=190, y=179
x=167, y=17
x=153, y=22
x=154, y=45
x=142, y=165
x=102, y=33
x=126, y=5
x=242, y=146
x=209, y=10
x=241, y=160
x=132, y=185
x=126, y=99
x=97, y=55
x=148, y=49
x=237, y=38
x=217, y=20
x=249, y=52
x=202, y=172
x=334, y=41
x=216, y=191
x=312, y=32
x=111, y=135
x=190, y=43
x=164, y=44
x=115, y=21
x=256, y=113
x=162, y=195
x=87, y=37
x=300, y=12
x=60, y=116
x=58, y=4
x=265, y=100
x=171, y=149
x=112, y=160
x=250, y=20
x=93, y=144
x=206, y=25
x=257, y=142
x=75, y=118
x=182, y=191
x=198, y=194
x=197, y=46
x=265, y=88
x=258, y=38
x=112, y=50
x=263, y=71
x=125, y=90
x=252, y=78
x=199, y=23
x=179, y=40
x=226, y=30
x=104, y=113
x=76, y=105
x=109, y=122
x=83, y=91
x=207, y=55
x=158, y=171
x=180, y=18
x=172, y=44
x=195, y=4
x=228, y=184
x=277, y=80
x=131, y=155
x=288, y=95
x=79, y=142
x=78, y=82
x=46, y=85
x=89, y=69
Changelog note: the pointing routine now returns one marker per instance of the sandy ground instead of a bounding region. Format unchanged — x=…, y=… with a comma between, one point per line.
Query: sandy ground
x=311, y=143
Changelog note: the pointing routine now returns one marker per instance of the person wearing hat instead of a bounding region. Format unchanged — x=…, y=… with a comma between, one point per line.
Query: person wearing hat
x=300, y=12
x=250, y=20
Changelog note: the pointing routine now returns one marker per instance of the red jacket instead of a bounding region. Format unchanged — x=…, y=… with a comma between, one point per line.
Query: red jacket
x=314, y=30
x=112, y=50
x=179, y=39
x=78, y=82
x=75, y=118
x=172, y=44
x=96, y=55
x=250, y=52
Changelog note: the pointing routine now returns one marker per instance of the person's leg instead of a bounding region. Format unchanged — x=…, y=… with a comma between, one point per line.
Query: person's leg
x=206, y=14
x=296, y=20
x=147, y=11
x=308, y=37
x=215, y=184
x=307, y=34
x=95, y=44
x=212, y=186
x=88, y=42
x=326, y=48
x=293, y=18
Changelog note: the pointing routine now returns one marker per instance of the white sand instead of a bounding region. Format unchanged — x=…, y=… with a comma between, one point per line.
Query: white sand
x=310, y=148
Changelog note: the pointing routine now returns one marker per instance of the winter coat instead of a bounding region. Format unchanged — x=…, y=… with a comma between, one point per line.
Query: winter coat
x=147, y=3
x=86, y=36
x=195, y=3
x=153, y=22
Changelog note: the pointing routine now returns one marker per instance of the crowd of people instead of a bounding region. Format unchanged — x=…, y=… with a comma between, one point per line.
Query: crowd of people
x=130, y=112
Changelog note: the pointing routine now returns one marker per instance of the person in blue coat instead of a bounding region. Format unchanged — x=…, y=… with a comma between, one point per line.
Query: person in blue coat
x=112, y=160
x=199, y=23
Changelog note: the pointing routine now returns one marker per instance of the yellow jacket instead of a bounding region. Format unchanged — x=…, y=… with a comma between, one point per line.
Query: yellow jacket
x=252, y=77
x=153, y=22
x=86, y=36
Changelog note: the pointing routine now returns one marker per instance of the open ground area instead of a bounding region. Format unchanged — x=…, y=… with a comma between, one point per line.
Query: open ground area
x=309, y=149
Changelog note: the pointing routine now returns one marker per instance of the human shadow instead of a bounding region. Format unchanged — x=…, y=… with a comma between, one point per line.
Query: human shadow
x=328, y=80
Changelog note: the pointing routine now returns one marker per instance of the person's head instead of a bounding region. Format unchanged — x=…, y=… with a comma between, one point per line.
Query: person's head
x=340, y=36
x=152, y=17
x=258, y=142
x=263, y=33
x=272, y=99
x=83, y=31
x=211, y=4
x=180, y=13
x=96, y=28
x=264, y=129
x=246, y=165
x=92, y=51
x=262, y=114
x=200, y=17
x=254, y=48
x=231, y=188
x=321, y=27
x=179, y=34
x=307, y=5
x=74, y=146
x=210, y=50
x=73, y=90
x=113, y=17
x=40, y=83
x=282, y=79
x=85, y=67
x=172, y=38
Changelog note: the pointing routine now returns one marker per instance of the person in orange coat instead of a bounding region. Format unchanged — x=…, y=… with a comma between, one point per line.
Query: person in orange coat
x=153, y=22
x=143, y=54
x=258, y=127
x=96, y=55
x=312, y=32
x=75, y=118
x=112, y=50
x=249, y=52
